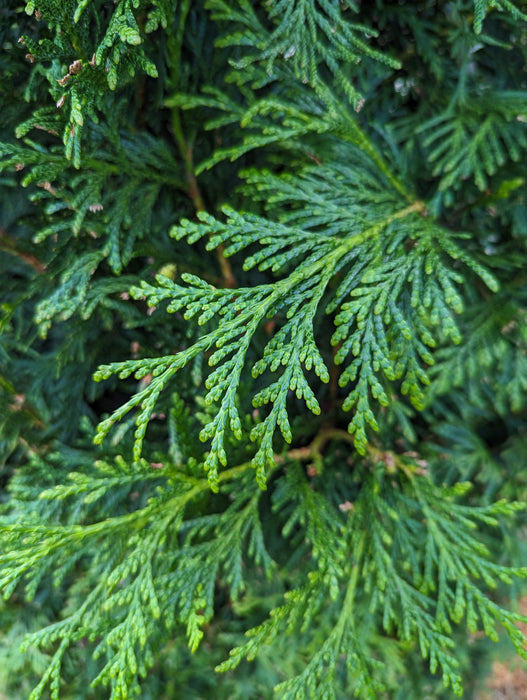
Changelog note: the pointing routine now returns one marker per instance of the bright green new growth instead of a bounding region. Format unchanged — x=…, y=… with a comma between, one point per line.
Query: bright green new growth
x=288, y=241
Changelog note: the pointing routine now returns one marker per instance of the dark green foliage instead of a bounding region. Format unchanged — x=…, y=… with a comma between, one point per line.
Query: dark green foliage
x=263, y=350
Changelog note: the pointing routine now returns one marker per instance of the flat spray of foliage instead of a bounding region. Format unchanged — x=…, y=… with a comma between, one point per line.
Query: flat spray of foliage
x=263, y=346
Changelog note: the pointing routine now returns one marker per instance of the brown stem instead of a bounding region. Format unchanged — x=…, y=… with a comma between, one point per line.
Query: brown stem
x=408, y=464
x=185, y=149
x=302, y=454
x=7, y=244
x=195, y=195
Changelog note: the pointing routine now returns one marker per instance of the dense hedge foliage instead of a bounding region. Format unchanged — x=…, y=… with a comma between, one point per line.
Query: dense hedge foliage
x=263, y=361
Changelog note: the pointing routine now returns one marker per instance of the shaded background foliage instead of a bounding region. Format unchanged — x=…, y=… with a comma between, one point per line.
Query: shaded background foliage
x=322, y=122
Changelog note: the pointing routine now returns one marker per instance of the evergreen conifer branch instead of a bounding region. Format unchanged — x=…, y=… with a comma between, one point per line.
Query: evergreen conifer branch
x=495, y=341
x=410, y=592
x=482, y=7
x=133, y=577
x=289, y=120
x=368, y=259
x=306, y=35
x=374, y=327
x=476, y=138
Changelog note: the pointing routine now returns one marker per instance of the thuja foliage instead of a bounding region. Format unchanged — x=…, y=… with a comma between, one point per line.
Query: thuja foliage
x=263, y=362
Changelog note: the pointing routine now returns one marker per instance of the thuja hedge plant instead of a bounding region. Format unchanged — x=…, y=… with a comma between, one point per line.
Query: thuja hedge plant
x=263, y=360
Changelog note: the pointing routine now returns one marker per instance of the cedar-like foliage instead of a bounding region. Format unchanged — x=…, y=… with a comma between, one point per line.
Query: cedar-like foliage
x=263, y=350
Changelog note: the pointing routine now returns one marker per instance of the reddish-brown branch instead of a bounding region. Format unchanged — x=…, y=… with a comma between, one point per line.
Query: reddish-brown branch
x=195, y=195
x=7, y=244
